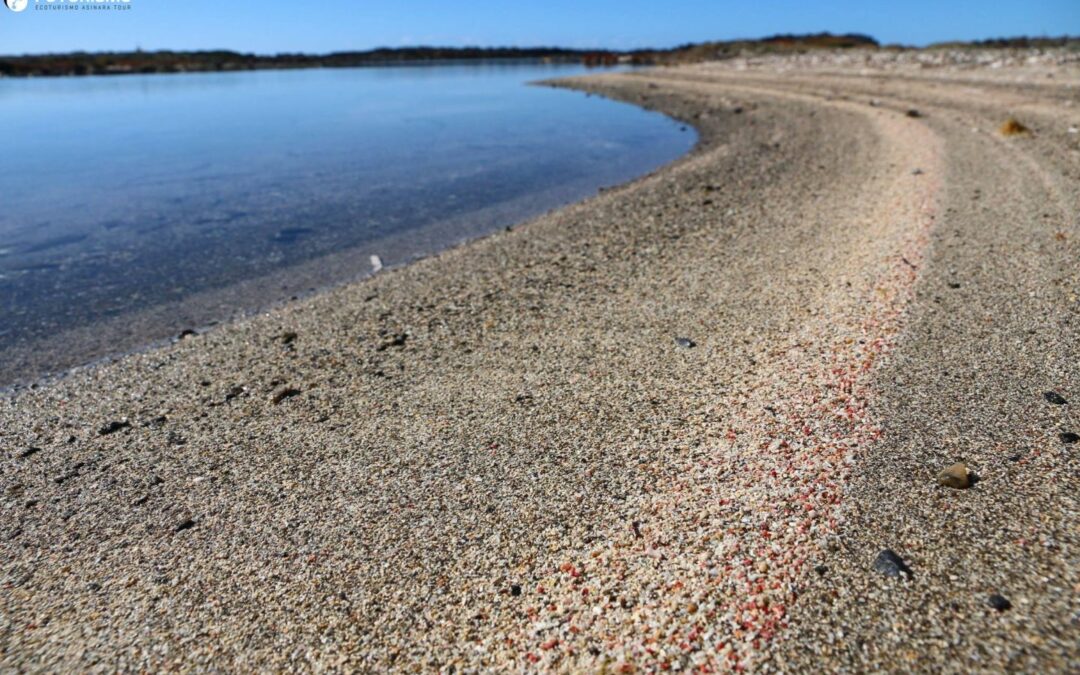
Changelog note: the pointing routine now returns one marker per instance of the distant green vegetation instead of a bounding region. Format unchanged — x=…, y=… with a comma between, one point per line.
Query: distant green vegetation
x=776, y=44
x=118, y=63
x=1013, y=43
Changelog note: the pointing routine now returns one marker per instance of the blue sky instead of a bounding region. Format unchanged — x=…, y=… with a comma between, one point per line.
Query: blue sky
x=268, y=26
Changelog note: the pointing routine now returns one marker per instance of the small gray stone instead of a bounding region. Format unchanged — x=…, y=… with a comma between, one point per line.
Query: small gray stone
x=891, y=565
x=685, y=343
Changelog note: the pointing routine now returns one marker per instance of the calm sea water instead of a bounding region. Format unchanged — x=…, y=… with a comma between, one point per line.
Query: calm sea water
x=137, y=206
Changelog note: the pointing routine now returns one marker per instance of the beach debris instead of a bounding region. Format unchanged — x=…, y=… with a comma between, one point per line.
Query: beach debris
x=28, y=452
x=916, y=172
x=954, y=284
x=822, y=570
x=1054, y=398
x=187, y=332
x=737, y=110
x=1074, y=130
x=1013, y=127
x=396, y=340
x=685, y=342
x=891, y=565
x=1068, y=437
x=376, y=264
x=113, y=427
x=999, y=602
x=288, y=337
x=184, y=525
x=912, y=112
x=515, y=590
x=956, y=476
x=282, y=394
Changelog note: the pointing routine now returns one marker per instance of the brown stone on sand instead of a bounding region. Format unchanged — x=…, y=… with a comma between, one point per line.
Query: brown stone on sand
x=956, y=476
x=1012, y=127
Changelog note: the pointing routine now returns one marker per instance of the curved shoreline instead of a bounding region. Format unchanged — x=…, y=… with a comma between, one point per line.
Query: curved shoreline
x=499, y=457
x=34, y=360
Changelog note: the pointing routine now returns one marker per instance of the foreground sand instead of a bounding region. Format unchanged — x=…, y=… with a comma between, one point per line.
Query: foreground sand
x=500, y=458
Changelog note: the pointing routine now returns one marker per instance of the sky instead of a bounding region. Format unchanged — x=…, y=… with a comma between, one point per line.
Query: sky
x=272, y=26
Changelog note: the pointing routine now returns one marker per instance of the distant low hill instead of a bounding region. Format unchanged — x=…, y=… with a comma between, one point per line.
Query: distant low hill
x=119, y=63
x=712, y=51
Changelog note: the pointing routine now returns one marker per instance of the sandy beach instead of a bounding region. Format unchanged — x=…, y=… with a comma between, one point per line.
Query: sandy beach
x=674, y=426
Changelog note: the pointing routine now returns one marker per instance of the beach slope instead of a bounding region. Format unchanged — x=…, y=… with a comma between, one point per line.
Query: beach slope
x=675, y=425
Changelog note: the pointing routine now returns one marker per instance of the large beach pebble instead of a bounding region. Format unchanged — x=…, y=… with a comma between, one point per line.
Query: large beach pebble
x=891, y=565
x=1054, y=398
x=956, y=476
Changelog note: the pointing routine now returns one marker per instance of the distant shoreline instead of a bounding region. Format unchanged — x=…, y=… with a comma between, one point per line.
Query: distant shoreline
x=161, y=62
x=170, y=61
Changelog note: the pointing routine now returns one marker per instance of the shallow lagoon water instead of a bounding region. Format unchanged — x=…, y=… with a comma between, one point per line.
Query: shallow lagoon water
x=137, y=206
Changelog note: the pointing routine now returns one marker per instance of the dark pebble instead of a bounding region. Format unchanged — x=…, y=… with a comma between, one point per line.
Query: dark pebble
x=93, y=587
x=1069, y=437
x=913, y=113
x=113, y=427
x=185, y=333
x=891, y=565
x=398, y=340
x=999, y=602
x=28, y=452
x=515, y=590
x=954, y=284
x=1055, y=398
x=186, y=525
x=821, y=570
x=288, y=338
x=685, y=343
x=737, y=110
x=284, y=394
